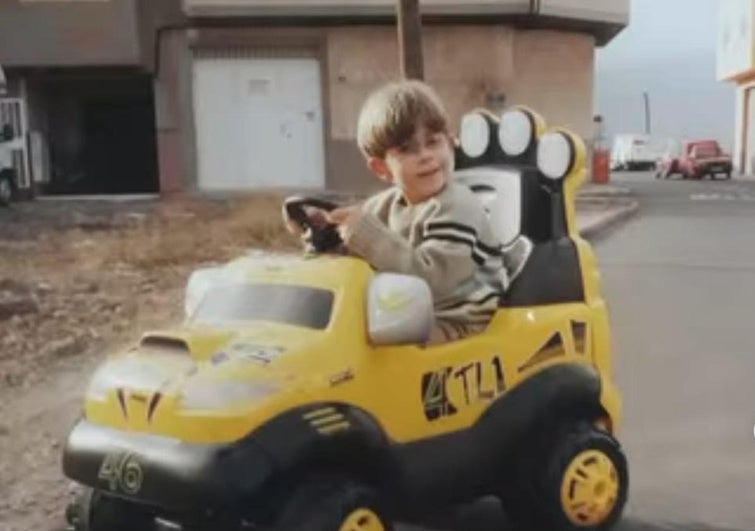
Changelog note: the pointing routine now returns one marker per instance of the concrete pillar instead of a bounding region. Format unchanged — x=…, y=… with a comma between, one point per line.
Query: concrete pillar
x=738, y=156
x=174, y=114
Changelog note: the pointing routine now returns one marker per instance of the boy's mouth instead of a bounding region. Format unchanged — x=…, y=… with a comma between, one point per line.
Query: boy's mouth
x=426, y=174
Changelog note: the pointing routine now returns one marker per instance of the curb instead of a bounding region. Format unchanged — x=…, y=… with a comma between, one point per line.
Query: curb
x=594, y=191
x=604, y=224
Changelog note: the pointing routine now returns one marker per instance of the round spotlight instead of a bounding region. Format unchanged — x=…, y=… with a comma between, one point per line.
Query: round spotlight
x=555, y=155
x=516, y=132
x=476, y=131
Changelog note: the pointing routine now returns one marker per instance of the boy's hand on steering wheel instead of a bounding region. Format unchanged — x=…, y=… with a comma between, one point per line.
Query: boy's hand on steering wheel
x=344, y=218
x=342, y=214
x=307, y=217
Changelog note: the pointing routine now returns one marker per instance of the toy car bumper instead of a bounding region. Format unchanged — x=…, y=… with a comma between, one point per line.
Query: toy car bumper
x=163, y=472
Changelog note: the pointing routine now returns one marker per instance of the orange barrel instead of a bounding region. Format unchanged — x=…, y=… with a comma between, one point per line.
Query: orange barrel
x=601, y=167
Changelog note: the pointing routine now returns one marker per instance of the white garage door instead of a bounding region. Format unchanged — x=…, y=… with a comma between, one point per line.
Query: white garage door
x=258, y=122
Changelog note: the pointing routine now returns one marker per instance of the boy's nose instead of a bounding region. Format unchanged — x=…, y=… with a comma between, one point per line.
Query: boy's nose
x=425, y=153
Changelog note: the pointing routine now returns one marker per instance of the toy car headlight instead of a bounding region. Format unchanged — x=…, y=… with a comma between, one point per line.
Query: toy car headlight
x=101, y=383
x=556, y=155
x=516, y=132
x=220, y=394
x=476, y=133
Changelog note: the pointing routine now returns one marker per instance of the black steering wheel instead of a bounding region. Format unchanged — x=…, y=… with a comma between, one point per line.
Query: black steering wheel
x=320, y=239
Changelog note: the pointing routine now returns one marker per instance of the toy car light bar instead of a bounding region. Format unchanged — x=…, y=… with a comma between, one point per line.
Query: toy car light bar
x=514, y=133
x=477, y=133
x=517, y=137
x=556, y=155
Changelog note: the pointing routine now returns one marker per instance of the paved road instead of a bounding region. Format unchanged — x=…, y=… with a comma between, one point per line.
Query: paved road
x=680, y=280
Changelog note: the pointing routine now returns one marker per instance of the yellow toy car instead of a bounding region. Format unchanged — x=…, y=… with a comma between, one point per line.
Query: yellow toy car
x=299, y=395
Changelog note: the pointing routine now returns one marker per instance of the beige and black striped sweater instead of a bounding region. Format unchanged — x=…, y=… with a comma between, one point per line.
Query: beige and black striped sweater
x=447, y=240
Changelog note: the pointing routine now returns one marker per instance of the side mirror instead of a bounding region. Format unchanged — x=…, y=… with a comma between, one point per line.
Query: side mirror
x=7, y=134
x=399, y=309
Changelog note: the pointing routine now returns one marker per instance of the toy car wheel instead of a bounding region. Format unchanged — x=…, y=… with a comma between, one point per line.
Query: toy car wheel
x=331, y=504
x=584, y=483
x=94, y=511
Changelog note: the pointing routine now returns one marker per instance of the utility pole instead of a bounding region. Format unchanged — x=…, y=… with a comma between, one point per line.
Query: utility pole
x=410, y=39
x=646, y=96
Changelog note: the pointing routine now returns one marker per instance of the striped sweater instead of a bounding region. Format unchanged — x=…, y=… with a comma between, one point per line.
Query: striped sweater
x=446, y=240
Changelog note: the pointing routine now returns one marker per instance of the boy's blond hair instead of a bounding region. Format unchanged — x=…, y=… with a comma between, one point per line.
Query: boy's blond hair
x=391, y=115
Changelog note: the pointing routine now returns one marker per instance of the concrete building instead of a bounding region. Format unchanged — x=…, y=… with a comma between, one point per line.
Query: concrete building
x=736, y=64
x=172, y=95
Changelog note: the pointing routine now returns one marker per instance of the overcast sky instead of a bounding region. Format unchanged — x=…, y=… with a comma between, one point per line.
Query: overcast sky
x=668, y=50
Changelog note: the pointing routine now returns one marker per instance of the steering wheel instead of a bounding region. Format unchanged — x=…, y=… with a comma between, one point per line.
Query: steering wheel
x=320, y=239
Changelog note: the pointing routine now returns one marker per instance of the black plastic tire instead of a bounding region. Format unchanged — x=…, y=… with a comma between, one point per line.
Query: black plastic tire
x=95, y=511
x=326, y=503
x=572, y=443
x=536, y=503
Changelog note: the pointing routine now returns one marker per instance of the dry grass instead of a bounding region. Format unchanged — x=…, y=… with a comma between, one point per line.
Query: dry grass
x=94, y=287
x=196, y=231
x=175, y=234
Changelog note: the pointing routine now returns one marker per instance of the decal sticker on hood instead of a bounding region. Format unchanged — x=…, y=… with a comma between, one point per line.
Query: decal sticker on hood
x=256, y=353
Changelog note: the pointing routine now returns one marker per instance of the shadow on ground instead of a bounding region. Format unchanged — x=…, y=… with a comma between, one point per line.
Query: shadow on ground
x=488, y=516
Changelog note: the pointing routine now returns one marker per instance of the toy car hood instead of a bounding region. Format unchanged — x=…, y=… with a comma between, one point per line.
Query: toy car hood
x=175, y=377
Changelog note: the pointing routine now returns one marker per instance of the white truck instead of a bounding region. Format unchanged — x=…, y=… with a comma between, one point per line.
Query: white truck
x=637, y=152
x=7, y=169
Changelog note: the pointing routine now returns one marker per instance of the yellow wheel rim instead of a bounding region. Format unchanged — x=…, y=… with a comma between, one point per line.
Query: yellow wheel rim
x=362, y=520
x=590, y=489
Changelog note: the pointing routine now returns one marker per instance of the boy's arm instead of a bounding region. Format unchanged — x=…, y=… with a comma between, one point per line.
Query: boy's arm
x=443, y=262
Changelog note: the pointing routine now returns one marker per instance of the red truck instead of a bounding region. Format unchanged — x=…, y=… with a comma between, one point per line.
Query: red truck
x=698, y=159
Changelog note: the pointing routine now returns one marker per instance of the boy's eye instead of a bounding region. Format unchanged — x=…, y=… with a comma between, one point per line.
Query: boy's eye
x=436, y=140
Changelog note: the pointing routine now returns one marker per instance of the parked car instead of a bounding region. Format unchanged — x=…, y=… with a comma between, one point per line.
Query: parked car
x=697, y=159
x=636, y=152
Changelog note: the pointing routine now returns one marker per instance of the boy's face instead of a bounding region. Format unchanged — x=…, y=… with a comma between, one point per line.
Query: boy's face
x=420, y=168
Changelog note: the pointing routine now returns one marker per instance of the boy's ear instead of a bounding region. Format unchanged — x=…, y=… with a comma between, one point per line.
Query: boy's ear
x=379, y=168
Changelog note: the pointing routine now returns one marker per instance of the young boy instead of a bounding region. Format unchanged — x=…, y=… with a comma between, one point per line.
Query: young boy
x=424, y=224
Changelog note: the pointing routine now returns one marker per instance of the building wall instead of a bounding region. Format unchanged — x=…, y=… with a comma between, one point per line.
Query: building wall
x=68, y=33
x=735, y=62
x=156, y=18
x=744, y=128
x=735, y=43
x=549, y=71
x=554, y=74
x=605, y=10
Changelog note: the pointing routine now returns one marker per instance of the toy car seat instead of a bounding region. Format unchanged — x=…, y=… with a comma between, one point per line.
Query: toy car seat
x=502, y=161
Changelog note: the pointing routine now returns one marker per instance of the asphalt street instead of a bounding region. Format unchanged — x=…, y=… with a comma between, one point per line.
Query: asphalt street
x=680, y=282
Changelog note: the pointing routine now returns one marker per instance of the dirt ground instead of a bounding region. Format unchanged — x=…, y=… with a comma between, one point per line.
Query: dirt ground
x=79, y=280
